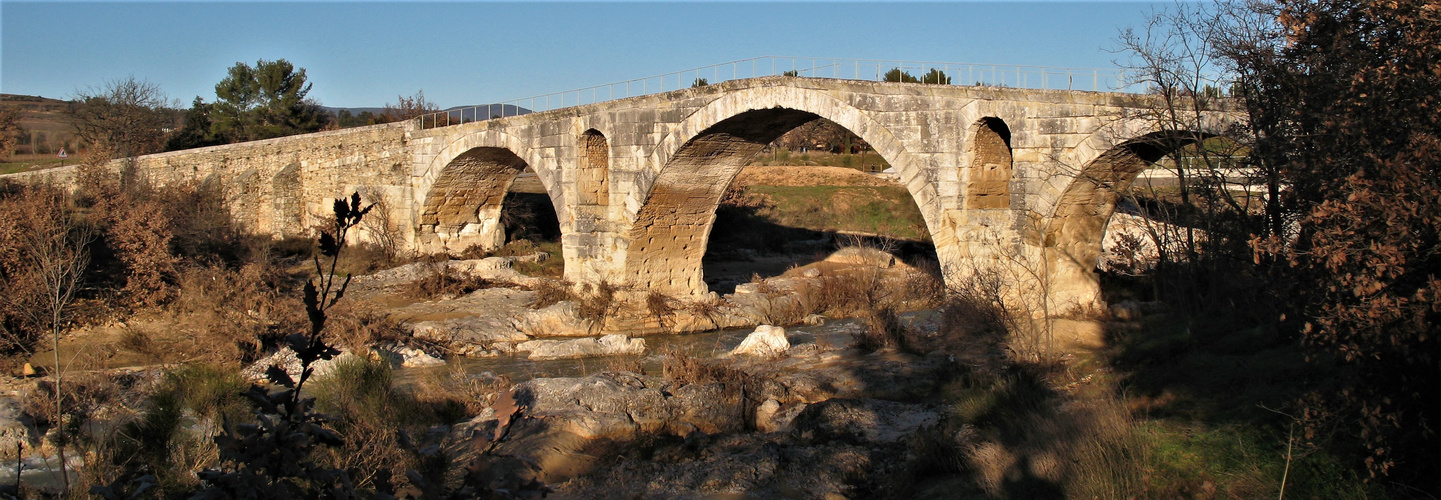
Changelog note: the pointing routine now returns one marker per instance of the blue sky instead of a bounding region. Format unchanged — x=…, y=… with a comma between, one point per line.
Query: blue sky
x=365, y=54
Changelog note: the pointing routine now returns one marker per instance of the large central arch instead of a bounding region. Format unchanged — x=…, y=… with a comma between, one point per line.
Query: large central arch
x=691, y=168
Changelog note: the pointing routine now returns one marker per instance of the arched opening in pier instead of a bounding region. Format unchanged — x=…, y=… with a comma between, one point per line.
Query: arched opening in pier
x=594, y=162
x=987, y=173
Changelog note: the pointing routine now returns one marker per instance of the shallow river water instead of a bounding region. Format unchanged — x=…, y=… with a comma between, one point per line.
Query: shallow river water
x=519, y=368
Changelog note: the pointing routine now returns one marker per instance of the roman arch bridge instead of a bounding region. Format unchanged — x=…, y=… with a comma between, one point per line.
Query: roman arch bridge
x=1001, y=175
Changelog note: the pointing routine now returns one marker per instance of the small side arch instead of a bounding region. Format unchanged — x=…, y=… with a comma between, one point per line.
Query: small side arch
x=287, y=195
x=462, y=207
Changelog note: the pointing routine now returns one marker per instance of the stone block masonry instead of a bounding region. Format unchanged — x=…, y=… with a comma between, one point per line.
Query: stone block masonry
x=1003, y=177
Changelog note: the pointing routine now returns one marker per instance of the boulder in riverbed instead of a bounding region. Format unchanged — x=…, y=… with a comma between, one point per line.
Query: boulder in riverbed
x=556, y=320
x=766, y=341
x=407, y=356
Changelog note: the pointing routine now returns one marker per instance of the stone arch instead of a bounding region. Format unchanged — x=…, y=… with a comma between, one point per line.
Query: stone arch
x=1071, y=236
x=819, y=103
x=245, y=199
x=462, y=207
x=684, y=182
x=988, y=165
x=429, y=172
x=593, y=160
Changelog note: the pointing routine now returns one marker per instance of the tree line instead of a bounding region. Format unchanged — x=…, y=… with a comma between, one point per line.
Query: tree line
x=129, y=116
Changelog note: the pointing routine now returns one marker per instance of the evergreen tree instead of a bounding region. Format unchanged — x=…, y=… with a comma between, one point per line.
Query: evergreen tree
x=896, y=75
x=264, y=101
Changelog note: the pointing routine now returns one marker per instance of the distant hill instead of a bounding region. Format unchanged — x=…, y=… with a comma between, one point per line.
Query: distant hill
x=353, y=111
x=46, y=126
x=488, y=110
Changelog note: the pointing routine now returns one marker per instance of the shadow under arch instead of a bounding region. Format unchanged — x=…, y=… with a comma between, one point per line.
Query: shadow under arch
x=671, y=232
x=463, y=205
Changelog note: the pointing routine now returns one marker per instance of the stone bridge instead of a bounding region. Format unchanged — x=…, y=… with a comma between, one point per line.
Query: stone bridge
x=1023, y=180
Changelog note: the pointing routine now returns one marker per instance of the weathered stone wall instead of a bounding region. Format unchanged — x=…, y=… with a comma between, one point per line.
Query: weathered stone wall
x=284, y=186
x=1005, y=178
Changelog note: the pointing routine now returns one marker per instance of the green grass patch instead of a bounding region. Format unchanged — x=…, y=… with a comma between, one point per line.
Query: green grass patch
x=15, y=167
x=887, y=210
x=1242, y=461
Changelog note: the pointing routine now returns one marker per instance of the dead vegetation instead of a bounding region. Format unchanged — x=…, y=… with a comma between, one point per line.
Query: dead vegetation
x=440, y=281
x=549, y=292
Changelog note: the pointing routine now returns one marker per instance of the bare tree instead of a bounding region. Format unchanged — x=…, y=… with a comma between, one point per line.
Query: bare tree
x=128, y=116
x=1216, y=203
x=409, y=107
x=49, y=249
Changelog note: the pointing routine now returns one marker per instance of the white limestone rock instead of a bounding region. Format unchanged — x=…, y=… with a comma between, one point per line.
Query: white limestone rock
x=861, y=256
x=409, y=356
x=16, y=428
x=556, y=320
x=766, y=341
x=286, y=359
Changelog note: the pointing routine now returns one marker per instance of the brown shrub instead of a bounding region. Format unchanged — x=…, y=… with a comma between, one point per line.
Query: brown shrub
x=550, y=292
x=357, y=326
x=86, y=394
x=883, y=329
x=660, y=307
x=439, y=280
x=231, y=315
x=684, y=369
x=456, y=394
x=739, y=389
x=597, y=302
x=139, y=232
x=707, y=308
x=379, y=227
x=516, y=248
x=43, y=246
x=633, y=364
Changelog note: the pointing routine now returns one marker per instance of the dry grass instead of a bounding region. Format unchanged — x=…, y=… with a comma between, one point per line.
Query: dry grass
x=550, y=292
x=440, y=281
x=597, y=302
x=805, y=176
x=883, y=329
x=368, y=411
x=455, y=394
x=660, y=307
x=229, y=316
x=1016, y=436
x=356, y=326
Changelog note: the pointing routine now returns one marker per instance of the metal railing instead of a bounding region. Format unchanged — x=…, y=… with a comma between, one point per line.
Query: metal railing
x=999, y=75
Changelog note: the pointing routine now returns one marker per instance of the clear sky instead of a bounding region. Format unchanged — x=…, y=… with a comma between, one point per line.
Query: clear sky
x=360, y=54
